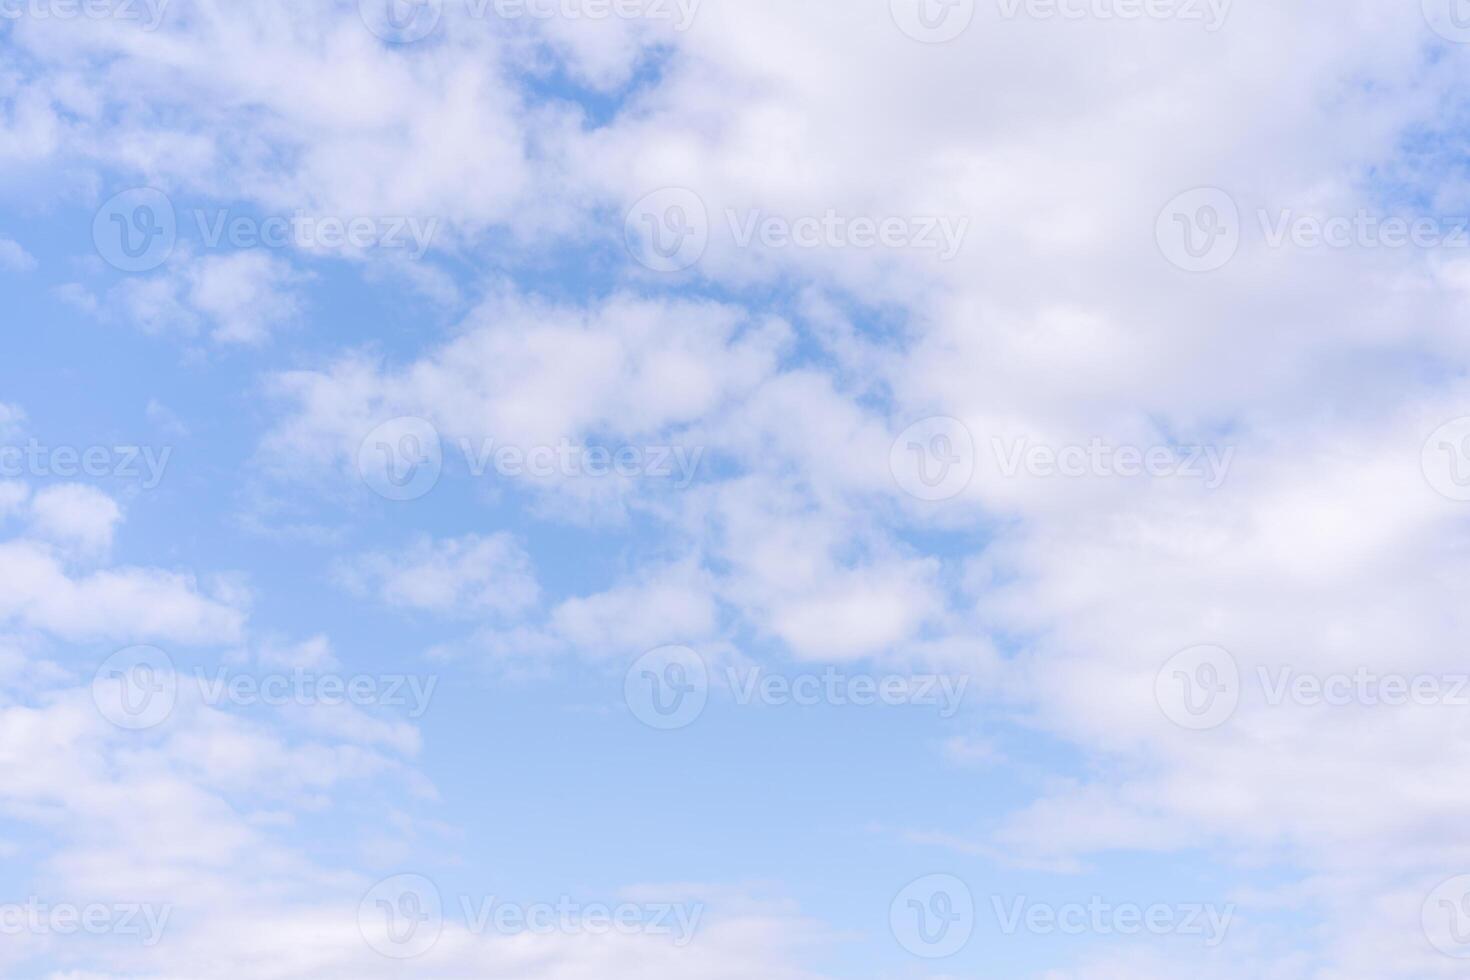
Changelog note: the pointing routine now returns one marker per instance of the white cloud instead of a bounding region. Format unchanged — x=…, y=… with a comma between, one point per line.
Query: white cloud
x=117, y=603
x=14, y=258
x=77, y=515
x=470, y=576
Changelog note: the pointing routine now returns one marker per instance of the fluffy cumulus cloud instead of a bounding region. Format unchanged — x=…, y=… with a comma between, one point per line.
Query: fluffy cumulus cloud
x=1154, y=457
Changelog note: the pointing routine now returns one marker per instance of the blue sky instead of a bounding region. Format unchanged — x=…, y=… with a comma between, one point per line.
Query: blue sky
x=940, y=356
